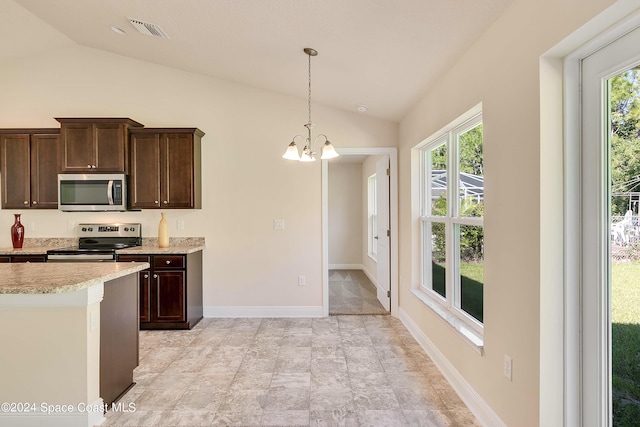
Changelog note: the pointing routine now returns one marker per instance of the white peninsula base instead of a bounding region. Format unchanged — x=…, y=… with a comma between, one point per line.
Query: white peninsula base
x=50, y=345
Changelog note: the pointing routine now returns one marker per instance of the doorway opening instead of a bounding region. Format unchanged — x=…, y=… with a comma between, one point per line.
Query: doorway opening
x=353, y=283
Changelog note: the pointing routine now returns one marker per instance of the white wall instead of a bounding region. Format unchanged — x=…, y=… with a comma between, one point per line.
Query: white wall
x=246, y=184
x=345, y=213
x=501, y=70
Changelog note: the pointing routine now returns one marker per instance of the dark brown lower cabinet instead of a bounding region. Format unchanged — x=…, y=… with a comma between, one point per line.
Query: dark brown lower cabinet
x=118, y=337
x=28, y=258
x=170, y=291
x=22, y=258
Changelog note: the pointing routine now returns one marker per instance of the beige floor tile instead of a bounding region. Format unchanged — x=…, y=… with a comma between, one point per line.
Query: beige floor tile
x=237, y=418
x=187, y=418
x=291, y=380
x=347, y=371
x=381, y=417
x=331, y=399
x=376, y=398
x=237, y=401
x=285, y=418
x=287, y=399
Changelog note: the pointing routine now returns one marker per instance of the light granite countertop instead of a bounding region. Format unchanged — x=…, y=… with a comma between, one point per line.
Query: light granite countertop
x=28, y=250
x=55, y=278
x=155, y=250
x=177, y=245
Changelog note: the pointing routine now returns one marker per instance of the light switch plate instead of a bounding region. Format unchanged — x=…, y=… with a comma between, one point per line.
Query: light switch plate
x=278, y=224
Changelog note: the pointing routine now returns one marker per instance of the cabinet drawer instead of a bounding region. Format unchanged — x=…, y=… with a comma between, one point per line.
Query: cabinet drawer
x=168, y=261
x=134, y=258
x=29, y=258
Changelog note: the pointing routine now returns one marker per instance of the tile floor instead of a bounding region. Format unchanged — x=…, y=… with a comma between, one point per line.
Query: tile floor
x=351, y=292
x=334, y=371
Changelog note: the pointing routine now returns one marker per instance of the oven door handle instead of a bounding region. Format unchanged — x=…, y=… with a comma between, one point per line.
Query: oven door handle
x=110, y=192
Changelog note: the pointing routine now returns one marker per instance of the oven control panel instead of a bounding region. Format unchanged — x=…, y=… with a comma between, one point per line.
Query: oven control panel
x=110, y=230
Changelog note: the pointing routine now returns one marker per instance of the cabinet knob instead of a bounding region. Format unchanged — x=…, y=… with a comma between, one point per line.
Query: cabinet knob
x=93, y=166
x=146, y=276
x=89, y=166
x=165, y=202
x=168, y=262
x=26, y=202
x=156, y=202
x=155, y=276
x=35, y=202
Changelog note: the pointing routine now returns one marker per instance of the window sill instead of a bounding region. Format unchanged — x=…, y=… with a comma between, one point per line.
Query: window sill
x=471, y=337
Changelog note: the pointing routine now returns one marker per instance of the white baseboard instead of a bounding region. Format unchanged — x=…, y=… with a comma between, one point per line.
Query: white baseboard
x=266, y=311
x=480, y=409
x=346, y=267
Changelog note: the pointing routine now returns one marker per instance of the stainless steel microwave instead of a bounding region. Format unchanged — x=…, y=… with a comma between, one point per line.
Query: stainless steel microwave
x=92, y=192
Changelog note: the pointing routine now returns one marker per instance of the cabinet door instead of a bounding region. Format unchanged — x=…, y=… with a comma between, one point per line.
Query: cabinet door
x=170, y=293
x=16, y=170
x=144, y=177
x=5, y=259
x=44, y=171
x=77, y=150
x=177, y=171
x=29, y=258
x=109, y=147
x=145, y=296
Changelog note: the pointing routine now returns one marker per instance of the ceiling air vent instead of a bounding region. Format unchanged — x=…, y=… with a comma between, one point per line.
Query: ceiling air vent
x=148, y=28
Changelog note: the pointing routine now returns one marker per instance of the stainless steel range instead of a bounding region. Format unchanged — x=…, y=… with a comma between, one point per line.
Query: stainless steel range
x=98, y=243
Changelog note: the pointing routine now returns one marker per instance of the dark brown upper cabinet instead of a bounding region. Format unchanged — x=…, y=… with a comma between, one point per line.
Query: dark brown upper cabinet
x=94, y=144
x=165, y=168
x=29, y=168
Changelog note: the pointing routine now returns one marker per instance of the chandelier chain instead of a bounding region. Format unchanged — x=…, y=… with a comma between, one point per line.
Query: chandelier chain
x=309, y=101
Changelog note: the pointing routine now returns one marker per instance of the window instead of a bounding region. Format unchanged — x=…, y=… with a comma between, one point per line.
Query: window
x=451, y=219
x=372, y=217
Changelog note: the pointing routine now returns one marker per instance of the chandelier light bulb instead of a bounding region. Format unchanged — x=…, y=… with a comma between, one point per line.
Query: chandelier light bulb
x=308, y=153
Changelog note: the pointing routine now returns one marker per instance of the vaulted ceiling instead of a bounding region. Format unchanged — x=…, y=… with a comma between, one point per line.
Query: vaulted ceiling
x=383, y=54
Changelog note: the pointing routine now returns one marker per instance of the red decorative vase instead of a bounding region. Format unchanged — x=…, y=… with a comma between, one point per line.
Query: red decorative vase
x=17, y=232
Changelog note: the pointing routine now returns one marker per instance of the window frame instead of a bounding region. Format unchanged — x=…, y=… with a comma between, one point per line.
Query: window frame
x=451, y=302
x=372, y=216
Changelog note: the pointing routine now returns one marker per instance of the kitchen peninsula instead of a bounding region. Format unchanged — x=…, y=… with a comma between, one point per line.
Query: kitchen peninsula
x=63, y=327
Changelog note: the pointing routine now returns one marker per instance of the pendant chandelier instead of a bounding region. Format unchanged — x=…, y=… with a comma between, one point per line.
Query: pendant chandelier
x=308, y=152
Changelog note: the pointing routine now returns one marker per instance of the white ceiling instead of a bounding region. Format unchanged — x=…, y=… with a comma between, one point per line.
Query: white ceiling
x=380, y=53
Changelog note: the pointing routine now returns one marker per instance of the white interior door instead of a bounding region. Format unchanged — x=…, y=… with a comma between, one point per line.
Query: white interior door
x=383, y=275
x=595, y=337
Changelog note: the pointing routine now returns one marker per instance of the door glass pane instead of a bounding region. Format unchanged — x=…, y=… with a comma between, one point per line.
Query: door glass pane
x=438, y=161
x=472, y=270
x=624, y=155
x=471, y=176
x=437, y=237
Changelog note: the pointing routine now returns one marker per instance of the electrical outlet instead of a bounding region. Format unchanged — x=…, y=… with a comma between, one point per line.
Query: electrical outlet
x=302, y=281
x=180, y=224
x=507, y=367
x=278, y=224
x=71, y=225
